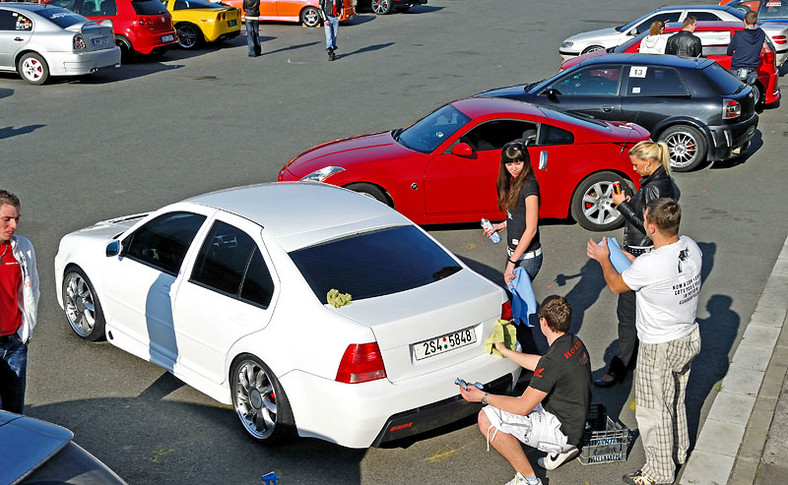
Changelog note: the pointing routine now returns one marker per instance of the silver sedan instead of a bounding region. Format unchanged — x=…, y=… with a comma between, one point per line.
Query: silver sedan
x=39, y=41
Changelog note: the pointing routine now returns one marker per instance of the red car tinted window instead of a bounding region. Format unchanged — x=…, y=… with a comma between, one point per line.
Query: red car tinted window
x=98, y=8
x=148, y=7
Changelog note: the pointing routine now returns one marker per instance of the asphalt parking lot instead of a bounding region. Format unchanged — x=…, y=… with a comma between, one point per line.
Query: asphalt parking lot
x=152, y=132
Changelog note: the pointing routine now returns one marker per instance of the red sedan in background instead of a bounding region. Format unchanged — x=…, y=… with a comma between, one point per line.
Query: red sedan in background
x=715, y=37
x=443, y=168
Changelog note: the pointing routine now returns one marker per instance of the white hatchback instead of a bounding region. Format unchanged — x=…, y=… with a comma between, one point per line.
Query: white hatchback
x=229, y=292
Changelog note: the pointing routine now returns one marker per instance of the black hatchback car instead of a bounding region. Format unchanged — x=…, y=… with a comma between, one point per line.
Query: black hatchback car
x=696, y=106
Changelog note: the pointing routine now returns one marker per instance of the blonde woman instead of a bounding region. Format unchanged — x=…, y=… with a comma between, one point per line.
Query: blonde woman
x=652, y=162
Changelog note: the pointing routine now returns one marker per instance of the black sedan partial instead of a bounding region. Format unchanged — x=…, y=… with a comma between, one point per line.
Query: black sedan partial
x=697, y=107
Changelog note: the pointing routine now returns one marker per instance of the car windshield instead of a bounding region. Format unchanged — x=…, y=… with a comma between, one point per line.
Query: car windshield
x=187, y=4
x=148, y=7
x=773, y=10
x=374, y=263
x=428, y=133
x=61, y=17
x=722, y=79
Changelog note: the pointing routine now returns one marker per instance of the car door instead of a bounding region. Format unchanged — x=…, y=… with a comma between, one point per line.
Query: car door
x=652, y=93
x=593, y=90
x=268, y=8
x=15, y=32
x=227, y=293
x=555, y=159
x=139, y=298
x=456, y=184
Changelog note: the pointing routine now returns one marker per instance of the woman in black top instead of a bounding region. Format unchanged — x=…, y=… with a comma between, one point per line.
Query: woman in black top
x=652, y=161
x=518, y=198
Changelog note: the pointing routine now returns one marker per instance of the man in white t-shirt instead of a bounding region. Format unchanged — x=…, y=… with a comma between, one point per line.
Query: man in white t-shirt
x=666, y=282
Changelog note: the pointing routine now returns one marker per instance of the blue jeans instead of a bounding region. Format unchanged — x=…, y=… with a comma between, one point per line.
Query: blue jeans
x=331, y=25
x=253, y=37
x=531, y=266
x=752, y=75
x=13, y=369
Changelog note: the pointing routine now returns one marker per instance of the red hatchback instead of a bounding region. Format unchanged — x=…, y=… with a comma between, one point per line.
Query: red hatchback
x=140, y=26
x=715, y=37
x=443, y=168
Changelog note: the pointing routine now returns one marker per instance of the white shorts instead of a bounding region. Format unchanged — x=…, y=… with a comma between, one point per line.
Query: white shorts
x=538, y=429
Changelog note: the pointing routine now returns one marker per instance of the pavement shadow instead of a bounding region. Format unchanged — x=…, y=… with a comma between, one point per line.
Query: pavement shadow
x=149, y=439
x=584, y=293
x=717, y=335
x=755, y=144
x=292, y=47
x=124, y=72
x=10, y=131
x=4, y=93
x=370, y=48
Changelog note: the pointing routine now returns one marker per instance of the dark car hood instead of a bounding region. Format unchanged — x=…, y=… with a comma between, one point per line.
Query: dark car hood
x=348, y=152
x=517, y=90
x=26, y=443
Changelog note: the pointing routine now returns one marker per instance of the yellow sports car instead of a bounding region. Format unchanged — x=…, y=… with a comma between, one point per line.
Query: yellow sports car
x=199, y=21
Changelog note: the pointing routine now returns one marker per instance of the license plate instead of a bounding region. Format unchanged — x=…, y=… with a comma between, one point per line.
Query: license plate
x=444, y=343
x=100, y=41
x=233, y=23
x=167, y=38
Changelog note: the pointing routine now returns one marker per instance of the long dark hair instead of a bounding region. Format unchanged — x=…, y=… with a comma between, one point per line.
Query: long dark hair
x=508, y=188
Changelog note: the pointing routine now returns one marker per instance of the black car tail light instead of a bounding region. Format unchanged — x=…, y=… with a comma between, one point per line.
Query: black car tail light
x=731, y=109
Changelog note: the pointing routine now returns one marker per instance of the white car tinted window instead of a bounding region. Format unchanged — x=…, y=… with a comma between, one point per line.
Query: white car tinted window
x=163, y=241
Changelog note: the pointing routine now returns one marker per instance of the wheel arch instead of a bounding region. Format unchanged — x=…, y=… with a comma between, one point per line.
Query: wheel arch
x=624, y=176
x=21, y=54
x=683, y=120
x=376, y=185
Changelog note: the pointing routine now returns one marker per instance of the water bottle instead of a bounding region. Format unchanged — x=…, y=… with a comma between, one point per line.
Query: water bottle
x=494, y=236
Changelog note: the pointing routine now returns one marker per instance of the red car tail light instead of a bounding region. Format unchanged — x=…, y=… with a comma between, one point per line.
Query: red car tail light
x=79, y=42
x=780, y=39
x=506, y=311
x=361, y=363
x=731, y=109
x=143, y=21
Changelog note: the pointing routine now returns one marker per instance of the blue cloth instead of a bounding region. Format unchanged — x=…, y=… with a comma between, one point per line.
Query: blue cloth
x=523, y=298
x=617, y=258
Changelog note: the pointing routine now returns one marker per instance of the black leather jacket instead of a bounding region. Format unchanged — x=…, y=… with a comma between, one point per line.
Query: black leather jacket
x=252, y=8
x=684, y=43
x=327, y=6
x=657, y=185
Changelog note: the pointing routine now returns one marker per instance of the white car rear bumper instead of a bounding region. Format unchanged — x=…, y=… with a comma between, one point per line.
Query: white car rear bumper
x=74, y=64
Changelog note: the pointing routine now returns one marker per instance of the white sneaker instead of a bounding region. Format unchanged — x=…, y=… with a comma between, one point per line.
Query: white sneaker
x=519, y=479
x=554, y=460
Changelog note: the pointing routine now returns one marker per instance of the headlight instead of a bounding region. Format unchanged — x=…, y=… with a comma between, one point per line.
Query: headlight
x=322, y=174
x=566, y=44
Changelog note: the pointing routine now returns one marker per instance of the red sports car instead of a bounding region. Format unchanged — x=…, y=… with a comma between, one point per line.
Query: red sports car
x=715, y=37
x=443, y=168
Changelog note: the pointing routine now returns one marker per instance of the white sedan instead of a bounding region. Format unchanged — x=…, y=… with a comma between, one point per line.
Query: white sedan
x=38, y=41
x=229, y=292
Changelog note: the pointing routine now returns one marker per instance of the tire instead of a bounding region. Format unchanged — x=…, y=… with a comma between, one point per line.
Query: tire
x=381, y=7
x=310, y=17
x=33, y=68
x=687, y=147
x=126, y=50
x=81, y=306
x=592, y=48
x=189, y=36
x=592, y=206
x=757, y=96
x=260, y=402
x=371, y=191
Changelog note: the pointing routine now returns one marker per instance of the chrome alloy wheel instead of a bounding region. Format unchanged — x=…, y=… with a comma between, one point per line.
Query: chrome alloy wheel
x=79, y=305
x=255, y=399
x=683, y=148
x=598, y=204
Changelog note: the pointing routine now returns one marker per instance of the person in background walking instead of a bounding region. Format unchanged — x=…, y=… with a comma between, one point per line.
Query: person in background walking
x=652, y=162
x=252, y=18
x=654, y=42
x=18, y=304
x=332, y=10
x=684, y=43
x=745, y=49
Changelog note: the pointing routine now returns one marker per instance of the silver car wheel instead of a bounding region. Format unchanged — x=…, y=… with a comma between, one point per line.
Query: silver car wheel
x=381, y=7
x=598, y=204
x=683, y=148
x=33, y=68
x=255, y=399
x=79, y=305
x=310, y=17
x=188, y=36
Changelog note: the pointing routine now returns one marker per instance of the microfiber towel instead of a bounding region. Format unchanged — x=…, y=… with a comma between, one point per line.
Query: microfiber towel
x=523, y=298
x=337, y=299
x=617, y=258
x=504, y=332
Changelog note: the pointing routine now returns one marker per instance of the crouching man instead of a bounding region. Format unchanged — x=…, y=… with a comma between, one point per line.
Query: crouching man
x=551, y=413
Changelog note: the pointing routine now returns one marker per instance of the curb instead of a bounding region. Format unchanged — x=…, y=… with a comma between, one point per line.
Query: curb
x=720, y=441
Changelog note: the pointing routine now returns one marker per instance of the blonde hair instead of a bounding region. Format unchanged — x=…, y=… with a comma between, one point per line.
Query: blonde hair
x=649, y=150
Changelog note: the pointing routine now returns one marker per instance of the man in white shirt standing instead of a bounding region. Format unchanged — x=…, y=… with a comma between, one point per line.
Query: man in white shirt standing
x=667, y=283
